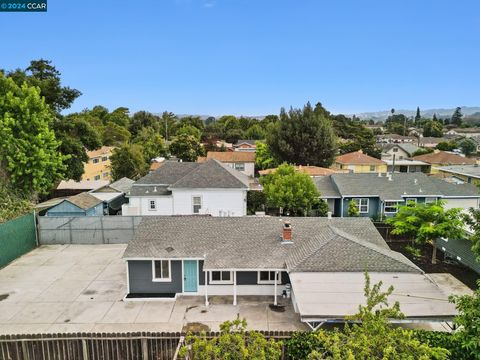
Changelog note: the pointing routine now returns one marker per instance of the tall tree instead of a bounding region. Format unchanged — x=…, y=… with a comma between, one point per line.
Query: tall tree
x=457, y=117
x=472, y=218
x=433, y=129
x=29, y=154
x=44, y=75
x=418, y=117
x=143, y=119
x=186, y=147
x=303, y=136
x=263, y=157
x=428, y=222
x=128, y=161
x=468, y=146
x=114, y=134
x=290, y=190
x=152, y=143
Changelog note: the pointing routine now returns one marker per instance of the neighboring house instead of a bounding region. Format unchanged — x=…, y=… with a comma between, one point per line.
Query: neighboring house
x=400, y=151
x=408, y=166
x=245, y=145
x=312, y=171
x=83, y=204
x=188, y=188
x=431, y=142
x=465, y=132
x=113, y=195
x=312, y=261
x=438, y=159
x=71, y=187
x=378, y=196
x=98, y=165
x=395, y=139
x=358, y=162
x=469, y=174
x=239, y=160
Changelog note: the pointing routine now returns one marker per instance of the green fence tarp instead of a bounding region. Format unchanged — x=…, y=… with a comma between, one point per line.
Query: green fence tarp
x=17, y=237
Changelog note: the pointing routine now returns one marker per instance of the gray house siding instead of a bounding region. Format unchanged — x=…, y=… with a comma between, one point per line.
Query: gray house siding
x=140, y=278
x=373, y=206
x=461, y=251
x=66, y=208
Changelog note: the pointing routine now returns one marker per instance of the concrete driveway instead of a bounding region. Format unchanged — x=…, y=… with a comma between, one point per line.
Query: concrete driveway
x=79, y=288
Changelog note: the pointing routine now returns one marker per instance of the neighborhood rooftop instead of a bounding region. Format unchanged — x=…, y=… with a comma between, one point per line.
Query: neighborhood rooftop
x=84, y=200
x=444, y=158
x=358, y=158
x=466, y=170
x=319, y=244
x=229, y=156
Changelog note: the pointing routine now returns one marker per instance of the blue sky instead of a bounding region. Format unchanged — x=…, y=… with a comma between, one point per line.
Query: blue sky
x=251, y=57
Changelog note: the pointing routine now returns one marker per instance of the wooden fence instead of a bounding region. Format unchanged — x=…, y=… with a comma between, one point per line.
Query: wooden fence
x=386, y=231
x=96, y=346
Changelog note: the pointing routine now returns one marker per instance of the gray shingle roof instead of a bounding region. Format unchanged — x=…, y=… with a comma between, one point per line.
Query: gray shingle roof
x=169, y=173
x=255, y=243
x=402, y=185
x=326, y=187
x=84, y=200
x=122, y=185
x=467, y=170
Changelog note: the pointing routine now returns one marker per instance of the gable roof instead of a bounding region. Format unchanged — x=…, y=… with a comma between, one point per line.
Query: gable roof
x=407, y=147
x=249, y=142
x=358, y=158
x=255, y=243
x=122, y=185
x=84, y=200
x=444, y=158
x=401, y=186
x=167, y=174
x=104, y=150
x=230, y=156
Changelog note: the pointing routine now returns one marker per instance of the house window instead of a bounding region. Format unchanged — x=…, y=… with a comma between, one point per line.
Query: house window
x=96, y=160
x=395, y=149
x=152, y=205
x=221, y=277
x=196, y=204
x=390, y=207
x=362, y=205
x=430, y=200
x=410, y=201
x=97, y=177
x=104, y=158
x=161, y=270
x=267, y=277
x=240, y=166
x=106, y=174
x=372, y=167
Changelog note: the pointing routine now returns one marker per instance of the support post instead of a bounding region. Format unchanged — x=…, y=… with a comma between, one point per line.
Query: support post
x=206, y=288
x=275, y=289
x=234, y=288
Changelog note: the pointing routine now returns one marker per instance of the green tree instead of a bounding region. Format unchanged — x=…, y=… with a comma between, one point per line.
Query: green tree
x=433, y=129
x=418, y=117
x=143, y=119
x=13, y=203
x=371, y=336
x=29, y=156
x=353, y=209
x=42, y=74
x=397, y=124
x=255, y=132
x=427, y=222
x=468, y=146
x=119, y=116
x=472, y=219
x=152, y=143
x=129, y=161
x=446, y=145
x=304, y=137
x=233, y=135
x=457, y=117
x=189, y=130
x=468, y=322
x=114, y=134
x=168, y=124
x=422, y=151
x=290, y=190
x=194, y=121
x=233, y=343
x=263, y=157
x=186, y=147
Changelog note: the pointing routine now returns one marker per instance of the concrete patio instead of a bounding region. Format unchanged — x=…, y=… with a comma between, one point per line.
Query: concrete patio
x=79, y=288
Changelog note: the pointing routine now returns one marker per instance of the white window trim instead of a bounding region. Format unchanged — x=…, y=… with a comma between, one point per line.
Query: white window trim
x=169, y=279
x=235, y=166
x=385, y=206
x=193, y=204
x=359, y=206
x=220, y=282
x=268, y=281
x=149, y=205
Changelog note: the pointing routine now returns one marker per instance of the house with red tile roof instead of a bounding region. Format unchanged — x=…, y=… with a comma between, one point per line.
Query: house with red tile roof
x=358, y=162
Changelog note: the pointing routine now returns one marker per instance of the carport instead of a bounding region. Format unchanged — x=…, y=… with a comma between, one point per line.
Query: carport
x=325, y=297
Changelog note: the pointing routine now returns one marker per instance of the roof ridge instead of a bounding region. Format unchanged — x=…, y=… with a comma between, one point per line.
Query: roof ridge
x=386, y=252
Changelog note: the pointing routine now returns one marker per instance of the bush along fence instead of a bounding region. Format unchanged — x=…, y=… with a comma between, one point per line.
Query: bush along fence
x=17, y=237
x=104, y=346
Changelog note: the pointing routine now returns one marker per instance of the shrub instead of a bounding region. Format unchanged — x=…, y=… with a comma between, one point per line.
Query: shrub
x=412, y=250
x=444, y=340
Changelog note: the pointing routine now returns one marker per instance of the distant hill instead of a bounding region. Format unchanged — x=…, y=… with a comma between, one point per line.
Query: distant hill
x=441, y=113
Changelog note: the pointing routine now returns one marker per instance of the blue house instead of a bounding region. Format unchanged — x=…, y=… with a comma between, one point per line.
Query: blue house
x=379, y=195
x=82, y=204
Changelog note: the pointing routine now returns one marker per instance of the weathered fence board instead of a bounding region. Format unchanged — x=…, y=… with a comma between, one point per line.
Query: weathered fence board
x=100, y=346
x=87, y=229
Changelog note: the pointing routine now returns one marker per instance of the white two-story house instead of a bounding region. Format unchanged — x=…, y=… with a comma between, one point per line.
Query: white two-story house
x=187, y=188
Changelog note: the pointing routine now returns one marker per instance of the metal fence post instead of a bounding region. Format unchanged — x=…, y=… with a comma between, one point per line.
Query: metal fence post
x=144, y=349
x=84, y=349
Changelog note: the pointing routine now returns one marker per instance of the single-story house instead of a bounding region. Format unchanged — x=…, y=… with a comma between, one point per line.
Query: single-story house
x=113, y=195
x=242, y=161
x=312, y=171
x=83, y=204
x=71, y=187
x=462, y=173
x=189, y=188
x=245, y=145
x=314, y=261
x=443, y=158
x=358, y=162
x=378, y=195
x=408, y=165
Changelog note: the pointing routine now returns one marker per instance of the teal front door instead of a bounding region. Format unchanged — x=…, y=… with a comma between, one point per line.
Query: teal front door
x=190, y=275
